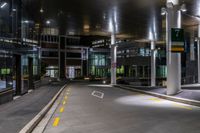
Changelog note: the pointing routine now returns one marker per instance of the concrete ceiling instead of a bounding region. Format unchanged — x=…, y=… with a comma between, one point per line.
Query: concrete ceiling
x=135, y=18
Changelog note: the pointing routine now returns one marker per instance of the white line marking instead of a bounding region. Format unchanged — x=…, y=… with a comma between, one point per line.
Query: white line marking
x=98, y=94
x=29, y=91
x=16, y=97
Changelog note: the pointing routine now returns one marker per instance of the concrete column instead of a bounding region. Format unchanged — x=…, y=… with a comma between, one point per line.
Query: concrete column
x=192, y=49
x=198, y=50
x=82, y=62
x=19, y=74
x=174, y=59
x=113, y=60
x=153, y=64
x=59, y=56
x=87, y=59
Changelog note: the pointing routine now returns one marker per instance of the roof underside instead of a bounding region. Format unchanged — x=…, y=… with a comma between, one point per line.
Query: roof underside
x=135, y=18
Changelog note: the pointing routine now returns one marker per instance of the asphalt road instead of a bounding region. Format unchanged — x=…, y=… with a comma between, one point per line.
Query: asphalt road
x=94, y=108
x=16, y=114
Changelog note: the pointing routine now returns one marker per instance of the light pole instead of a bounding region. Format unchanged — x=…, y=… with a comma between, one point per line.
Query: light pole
x=173, y=20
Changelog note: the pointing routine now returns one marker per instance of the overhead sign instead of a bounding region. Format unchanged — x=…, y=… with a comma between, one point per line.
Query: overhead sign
x=177, y=38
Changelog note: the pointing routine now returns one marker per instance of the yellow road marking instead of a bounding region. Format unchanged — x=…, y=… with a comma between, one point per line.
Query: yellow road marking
x=155, y=99
x=61, y=109
x=64, y=102
x=182, y=106
x=175, y=104
x=65, y=97
x=56, y=121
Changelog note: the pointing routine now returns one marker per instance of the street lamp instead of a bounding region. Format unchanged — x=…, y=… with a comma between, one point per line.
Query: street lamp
x=183, y=8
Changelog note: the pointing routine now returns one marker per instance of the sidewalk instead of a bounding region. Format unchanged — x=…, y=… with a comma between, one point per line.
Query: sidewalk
x=17, y=113
x=190, y=94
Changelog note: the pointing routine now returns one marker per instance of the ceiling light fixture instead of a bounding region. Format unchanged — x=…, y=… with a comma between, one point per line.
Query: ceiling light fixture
x=163, y=11
x=3, y=4
x=183, y=8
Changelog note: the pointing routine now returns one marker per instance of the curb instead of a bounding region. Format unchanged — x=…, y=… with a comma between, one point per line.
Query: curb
x=36, y=120
x=171, y=98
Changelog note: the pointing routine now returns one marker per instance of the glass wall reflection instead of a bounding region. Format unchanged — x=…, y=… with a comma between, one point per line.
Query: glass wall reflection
x=6, y=69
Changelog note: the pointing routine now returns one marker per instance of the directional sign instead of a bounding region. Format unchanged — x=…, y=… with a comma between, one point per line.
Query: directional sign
x=177, y=35
x=177, y=38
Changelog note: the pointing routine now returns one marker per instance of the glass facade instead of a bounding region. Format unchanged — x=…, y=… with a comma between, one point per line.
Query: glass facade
x=18, y=63
x=99, y=64
x=25, y=73
x=6, y=69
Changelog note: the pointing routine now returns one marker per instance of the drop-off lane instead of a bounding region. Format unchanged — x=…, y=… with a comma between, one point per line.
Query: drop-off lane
x=122, y=111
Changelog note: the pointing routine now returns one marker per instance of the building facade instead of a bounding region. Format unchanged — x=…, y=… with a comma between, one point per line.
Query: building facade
x=19, y=60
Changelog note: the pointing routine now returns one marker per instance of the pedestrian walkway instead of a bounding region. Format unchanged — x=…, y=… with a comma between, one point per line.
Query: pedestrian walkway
x=16, y=114
x=191, y=92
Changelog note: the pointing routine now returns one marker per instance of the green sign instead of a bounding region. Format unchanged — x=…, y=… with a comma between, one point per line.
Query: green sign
x=177, y=38
x=177, y=35
x=5, y=71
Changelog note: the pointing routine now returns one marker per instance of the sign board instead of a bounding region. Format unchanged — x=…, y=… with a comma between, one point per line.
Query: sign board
x=177, y=38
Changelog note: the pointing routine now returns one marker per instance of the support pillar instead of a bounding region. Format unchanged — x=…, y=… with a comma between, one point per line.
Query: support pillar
x=62, y=57
x=153, y=64
x=113, y=60
x=18, y=75
x=30, y=71
x=198, y=53
x=192, y=49
x=173, y=59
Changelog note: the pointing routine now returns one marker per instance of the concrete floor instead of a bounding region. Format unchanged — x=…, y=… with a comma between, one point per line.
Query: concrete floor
x=94, y=108
x=16, y=114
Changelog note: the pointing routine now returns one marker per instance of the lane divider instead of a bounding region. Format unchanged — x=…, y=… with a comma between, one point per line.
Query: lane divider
x=56, y=121
x=65, y=97
x=64, y=102
x=61, y=109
